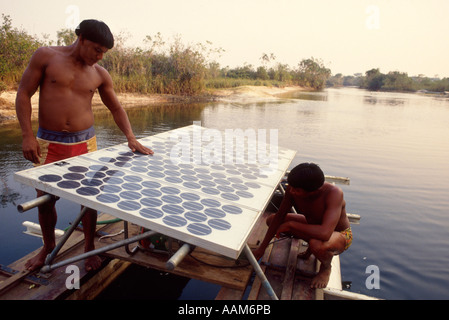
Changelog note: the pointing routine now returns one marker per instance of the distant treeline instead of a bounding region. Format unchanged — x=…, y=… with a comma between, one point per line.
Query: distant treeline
x=160, y=67
x=176, y=68
x=393, y=81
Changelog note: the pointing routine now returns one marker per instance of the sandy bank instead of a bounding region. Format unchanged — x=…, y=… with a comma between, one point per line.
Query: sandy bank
x=129, y=100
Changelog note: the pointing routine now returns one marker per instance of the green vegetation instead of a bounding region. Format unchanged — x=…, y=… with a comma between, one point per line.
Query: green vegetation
x=176, y=68
x=160, y=67
x=374, y=80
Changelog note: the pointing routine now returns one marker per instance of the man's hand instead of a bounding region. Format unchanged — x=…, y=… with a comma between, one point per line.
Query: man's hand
x=135, y=145
x=31, y=150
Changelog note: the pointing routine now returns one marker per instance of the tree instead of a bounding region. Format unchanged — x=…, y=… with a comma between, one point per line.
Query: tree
x=312, y=73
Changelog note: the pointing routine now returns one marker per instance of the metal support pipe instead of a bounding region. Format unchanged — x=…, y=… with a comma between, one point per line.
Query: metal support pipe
x=48, y=268
x=178, y=256
x=260, y=273
x=35, y=202
x=66, y=235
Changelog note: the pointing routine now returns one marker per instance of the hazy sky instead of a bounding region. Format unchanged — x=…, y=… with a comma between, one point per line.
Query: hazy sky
x=349, y=36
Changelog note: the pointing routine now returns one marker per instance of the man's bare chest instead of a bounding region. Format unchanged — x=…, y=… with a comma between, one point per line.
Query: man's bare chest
x=60, y=75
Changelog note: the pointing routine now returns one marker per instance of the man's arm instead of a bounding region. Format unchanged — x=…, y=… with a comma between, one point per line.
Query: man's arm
x=323, y=231
x=29, y=83
x=278, y=219
x=110, y=100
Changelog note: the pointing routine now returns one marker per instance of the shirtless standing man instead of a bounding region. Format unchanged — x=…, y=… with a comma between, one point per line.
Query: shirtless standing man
x=322, y=221
x=68, y=77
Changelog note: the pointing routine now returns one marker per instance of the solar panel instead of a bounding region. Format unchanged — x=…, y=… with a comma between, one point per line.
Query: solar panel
x=189, y=189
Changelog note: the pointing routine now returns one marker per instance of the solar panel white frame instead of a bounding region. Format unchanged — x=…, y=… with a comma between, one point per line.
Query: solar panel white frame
x=213, y=206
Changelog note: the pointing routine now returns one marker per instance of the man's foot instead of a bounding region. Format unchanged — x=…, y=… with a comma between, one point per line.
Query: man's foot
x=93, y=263
x=321, y=280
x=38, y=260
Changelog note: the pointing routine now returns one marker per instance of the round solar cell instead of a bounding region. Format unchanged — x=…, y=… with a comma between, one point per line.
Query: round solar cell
x=68, y=184
x=107, y=159
x=215, y=212
x=110, y=188
x=244, y=194
x=171, y=199
x=210, y=202
x=173, y=179
x=191, y=185
x=87, y=191
x=172, y=209
x=151, y=184
x=130, y=195
x=192, y=205
x=155, y=174
x=174, y=221
x=232, y=209
x=131, y=186
x=95, y=174
x=151, y=202
x=91, y=182
x=79, y=169
x=190, y=196
x=113, y=180
x=129, y=205
x=131, y=178
x=195, y=216
x=170, y=190
x=97, y=167
x=108, y=198
x=73, y=176
x=151, y=213
x=122, y=164
x=199, y=229
x=115, y=173
x=230, y=196
x=219, y=224
x=151, y=193
x=139, y=169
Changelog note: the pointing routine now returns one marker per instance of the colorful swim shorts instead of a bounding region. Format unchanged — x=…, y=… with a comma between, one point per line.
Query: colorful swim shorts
x=347, y=233
x=57, y=146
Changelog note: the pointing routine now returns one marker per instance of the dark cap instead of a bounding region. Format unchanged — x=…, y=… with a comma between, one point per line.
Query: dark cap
x=96, y=31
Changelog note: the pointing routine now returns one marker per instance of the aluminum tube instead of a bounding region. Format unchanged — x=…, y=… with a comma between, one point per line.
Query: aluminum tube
x=178, y=256
x=260, y=273
x=113, y=246
x=34, y=203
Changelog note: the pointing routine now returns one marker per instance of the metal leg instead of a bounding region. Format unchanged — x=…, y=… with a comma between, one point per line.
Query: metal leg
x=113, y=246
x=66, y=235
x=125, y=229
x=260, y=273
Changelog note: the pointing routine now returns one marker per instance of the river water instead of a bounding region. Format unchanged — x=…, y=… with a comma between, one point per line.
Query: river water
x=394, y=147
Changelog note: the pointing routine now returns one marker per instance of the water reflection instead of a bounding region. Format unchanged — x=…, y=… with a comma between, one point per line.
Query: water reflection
x=396, y=159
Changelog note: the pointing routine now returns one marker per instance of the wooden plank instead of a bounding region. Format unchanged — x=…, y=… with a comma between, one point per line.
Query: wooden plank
x=287, y=285
x=92, y=288
x=56, y=278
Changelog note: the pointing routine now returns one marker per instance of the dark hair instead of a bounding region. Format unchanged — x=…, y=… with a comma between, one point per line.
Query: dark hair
x=96, y=31
x=307, y=176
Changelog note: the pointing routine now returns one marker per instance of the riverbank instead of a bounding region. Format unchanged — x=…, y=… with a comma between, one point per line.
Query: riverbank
x=129, y=100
